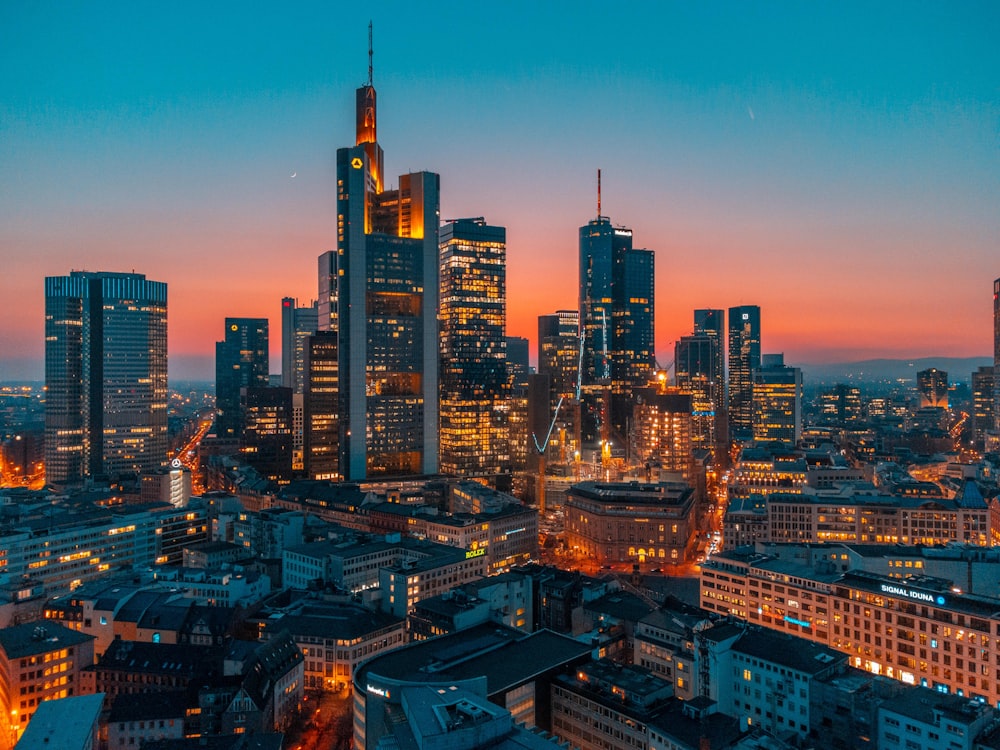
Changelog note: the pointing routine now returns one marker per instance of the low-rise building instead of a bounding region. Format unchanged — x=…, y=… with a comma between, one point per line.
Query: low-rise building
x=924, y=719
x=135, y=719
x=40, y=661
x=228, y=586
x=335, y=638
x=511, y=669
x=506, y=599
x=64, y=723
x=631, y=522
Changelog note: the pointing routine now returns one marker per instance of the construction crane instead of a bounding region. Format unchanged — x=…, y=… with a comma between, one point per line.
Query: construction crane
x=541, y=448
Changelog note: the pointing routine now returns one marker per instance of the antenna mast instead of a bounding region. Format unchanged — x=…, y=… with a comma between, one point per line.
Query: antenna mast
x=369, y=53
x=598, y=194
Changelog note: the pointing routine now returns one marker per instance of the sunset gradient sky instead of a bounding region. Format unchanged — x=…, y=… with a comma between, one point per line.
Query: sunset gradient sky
x=837, y=164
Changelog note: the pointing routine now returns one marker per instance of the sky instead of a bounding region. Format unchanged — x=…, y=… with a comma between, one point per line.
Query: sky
x=837, y=164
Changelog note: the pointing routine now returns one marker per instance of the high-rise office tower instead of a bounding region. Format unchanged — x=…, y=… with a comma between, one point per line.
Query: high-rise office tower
x=983, y=385
x=326, y=305
x=241, y=361
x=712, y=323
x=559, y=360
x=559, y=351
x=266, y=438
x=297, y=325
x=616, y=320
x=744, y=360
x=932, y=385
x=386, y=309
x=518, y=365
x=105, y=375
x=321, y=417
x=695, y=360
x=475, y=389
x=777, y=400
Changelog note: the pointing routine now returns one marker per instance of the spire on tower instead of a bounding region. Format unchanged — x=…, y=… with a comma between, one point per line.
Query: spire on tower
x=369, y=53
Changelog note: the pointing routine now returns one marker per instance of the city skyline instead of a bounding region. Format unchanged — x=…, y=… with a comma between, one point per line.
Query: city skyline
x=835, y=166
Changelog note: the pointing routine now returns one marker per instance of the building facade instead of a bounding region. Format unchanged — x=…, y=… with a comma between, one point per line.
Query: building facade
x=105, y=375
x=475, y=388
x=629, y=522
x=39, y=662
x=241, y=361
x=695, y=360
x=616, y=298
x=744, y=360
x=916, y=629
x=321, y=424
x=386, y=299
x=932, y=385
x=297, y=325
x=777, y=401
x=267, y=439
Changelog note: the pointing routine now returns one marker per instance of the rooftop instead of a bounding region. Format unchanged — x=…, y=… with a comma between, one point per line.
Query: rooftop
x=33, y=638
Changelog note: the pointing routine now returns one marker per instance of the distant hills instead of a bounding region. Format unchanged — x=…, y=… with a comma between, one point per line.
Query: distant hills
x=886, y=370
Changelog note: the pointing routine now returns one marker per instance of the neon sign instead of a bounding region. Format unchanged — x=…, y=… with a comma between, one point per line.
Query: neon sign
x=380, y=692
x=920, y=596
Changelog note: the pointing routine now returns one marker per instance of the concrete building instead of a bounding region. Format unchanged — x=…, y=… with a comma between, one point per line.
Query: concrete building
x=335, y=638
x=39, y=662
x=924, y=719
x=507, y=667
x=632, y=523
x=908, y=625
x=64, y=723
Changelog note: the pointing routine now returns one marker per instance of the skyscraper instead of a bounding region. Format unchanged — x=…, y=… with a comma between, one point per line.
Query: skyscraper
x=712, y=323
x=386, y=309
x=475, y=388
x=559, y=351
x=326, y=305
x=105, y=375
x=321, y=418
x=983, y=386
x=518, y=366
x=744, y=360
x=777, y=400
x=241, y=361
x=297, y=325
x=616, y=321
x=695, y=360
x=932, y=386
x=266, y=440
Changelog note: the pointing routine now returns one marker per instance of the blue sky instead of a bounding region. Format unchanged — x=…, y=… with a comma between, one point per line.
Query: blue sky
x=837, y=164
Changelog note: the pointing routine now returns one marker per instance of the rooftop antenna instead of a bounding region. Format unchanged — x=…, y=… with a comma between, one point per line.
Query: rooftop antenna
x=598, y=194
x=369, y=53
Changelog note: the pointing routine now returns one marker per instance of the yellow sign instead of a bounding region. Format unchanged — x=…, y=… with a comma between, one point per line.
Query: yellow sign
x=234, y=327
x=357, y=163
x=470, y=553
